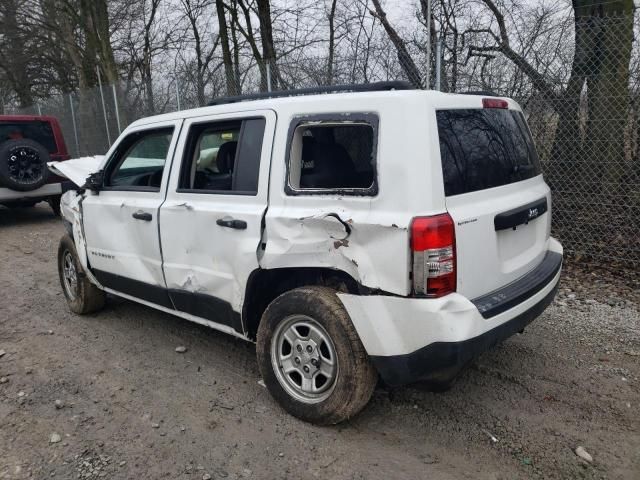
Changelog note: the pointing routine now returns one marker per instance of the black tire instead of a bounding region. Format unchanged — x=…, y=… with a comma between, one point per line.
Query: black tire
x=85, y=297
x=356, y=377
x=54, y=203
x=23, y=164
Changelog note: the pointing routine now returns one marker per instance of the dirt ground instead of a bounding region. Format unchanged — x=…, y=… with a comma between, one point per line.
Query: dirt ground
x=130, y=407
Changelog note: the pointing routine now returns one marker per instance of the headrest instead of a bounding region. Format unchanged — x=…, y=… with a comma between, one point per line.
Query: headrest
x=226, y=157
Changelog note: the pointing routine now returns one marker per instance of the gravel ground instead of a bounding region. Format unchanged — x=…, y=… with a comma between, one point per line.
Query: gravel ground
x=107, y=396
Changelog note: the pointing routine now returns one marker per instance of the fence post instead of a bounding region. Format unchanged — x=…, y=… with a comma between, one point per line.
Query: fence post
x=115, y=104
x=438, y=61
x=39, y=109
x=428, y=82
x=104, y=107
x=268, y=76
x=75, y=127
x=178, y=93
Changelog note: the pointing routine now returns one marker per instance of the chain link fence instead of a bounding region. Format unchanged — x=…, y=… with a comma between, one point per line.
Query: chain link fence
x=583, y=107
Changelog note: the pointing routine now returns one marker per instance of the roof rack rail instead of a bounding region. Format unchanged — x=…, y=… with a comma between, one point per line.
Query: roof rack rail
x=482, y=92
x=367, y=87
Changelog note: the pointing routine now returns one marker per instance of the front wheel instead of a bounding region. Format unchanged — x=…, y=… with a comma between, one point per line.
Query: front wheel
x=82, y=295
x=311, y=358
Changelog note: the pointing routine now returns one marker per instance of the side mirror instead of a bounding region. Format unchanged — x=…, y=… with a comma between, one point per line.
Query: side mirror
x=94, y=181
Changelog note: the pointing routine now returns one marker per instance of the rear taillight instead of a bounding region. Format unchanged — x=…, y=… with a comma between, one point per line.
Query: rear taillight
x=494, y=103
x=433, y=244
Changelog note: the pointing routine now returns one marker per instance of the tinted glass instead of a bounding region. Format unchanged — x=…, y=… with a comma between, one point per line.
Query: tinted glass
x=484, y=148
x=142, y=163
x=40, y=132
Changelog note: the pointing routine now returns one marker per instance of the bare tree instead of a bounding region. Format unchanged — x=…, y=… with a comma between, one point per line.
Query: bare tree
x=194, y=11
x=502, y=44
x=404, y=58
x=14, y=52
x=226, y=50
x=268, y=48
x=332, y=41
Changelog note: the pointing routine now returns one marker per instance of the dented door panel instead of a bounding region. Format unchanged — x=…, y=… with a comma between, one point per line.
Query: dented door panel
x=207, y=261
x=203, y=257
x=121, y=224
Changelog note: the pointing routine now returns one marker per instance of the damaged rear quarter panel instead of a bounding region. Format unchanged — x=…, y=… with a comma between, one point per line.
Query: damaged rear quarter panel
x=308, y=229
x=340, y=238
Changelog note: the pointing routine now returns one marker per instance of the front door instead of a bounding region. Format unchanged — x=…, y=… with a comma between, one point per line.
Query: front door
x=211, y=222
x=121, y=222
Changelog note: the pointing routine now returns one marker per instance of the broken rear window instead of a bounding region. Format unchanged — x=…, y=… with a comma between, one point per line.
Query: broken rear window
x=332, y=156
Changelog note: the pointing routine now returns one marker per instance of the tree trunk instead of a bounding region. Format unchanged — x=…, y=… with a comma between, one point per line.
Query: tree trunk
x=332, y=36
x=266, y=36
x=236, y=53
x=226, y=51
x=608, y=94
x=97, y=31
x=406, y=62
x=14, y=59
x=567, y=147
x=603, y=41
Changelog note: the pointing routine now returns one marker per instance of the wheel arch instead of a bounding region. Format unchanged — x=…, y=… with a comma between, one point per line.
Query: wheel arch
x=265, y=285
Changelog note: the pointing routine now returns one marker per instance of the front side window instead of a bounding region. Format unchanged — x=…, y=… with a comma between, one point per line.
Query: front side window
x=223, y=157
x=139, y=160
x=332, y=156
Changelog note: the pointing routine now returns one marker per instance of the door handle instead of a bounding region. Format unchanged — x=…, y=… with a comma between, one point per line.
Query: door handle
x=140, y=215
x=232, y=223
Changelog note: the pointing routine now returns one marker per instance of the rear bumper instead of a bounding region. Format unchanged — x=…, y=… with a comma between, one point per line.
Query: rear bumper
x=410, y=340
x=45, y=191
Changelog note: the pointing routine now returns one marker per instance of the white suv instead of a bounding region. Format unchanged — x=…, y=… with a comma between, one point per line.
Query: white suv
x=351, y=232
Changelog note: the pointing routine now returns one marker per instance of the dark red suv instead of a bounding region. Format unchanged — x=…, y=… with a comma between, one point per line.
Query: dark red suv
x=27, y=143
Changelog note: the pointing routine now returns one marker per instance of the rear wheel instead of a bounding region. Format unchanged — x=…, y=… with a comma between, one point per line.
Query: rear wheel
x=311, y=358
x=82, y=295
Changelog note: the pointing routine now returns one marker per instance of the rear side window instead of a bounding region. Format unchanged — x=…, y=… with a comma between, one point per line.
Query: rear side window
x=331, y=155
x=223, y=157
x=484, y=148
x=40, y=132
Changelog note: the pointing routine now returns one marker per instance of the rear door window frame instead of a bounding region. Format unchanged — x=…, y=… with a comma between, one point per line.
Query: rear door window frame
x=348, y=118
x=187, y=158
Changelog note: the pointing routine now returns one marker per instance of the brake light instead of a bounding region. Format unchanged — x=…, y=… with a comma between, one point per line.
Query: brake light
x=494, y=103
x=433, y=245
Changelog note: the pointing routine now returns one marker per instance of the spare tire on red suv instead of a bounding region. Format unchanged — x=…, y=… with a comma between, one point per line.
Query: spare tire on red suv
x=23, y=164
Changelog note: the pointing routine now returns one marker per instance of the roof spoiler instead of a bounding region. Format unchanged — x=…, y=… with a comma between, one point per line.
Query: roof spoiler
x=487, y=93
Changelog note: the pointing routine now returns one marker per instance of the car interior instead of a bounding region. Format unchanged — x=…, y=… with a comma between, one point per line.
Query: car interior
x=334, y=157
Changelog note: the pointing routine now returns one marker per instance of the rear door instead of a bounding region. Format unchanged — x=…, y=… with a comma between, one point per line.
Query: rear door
x=211, y=222
x=121, y=222
x=494, y=192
